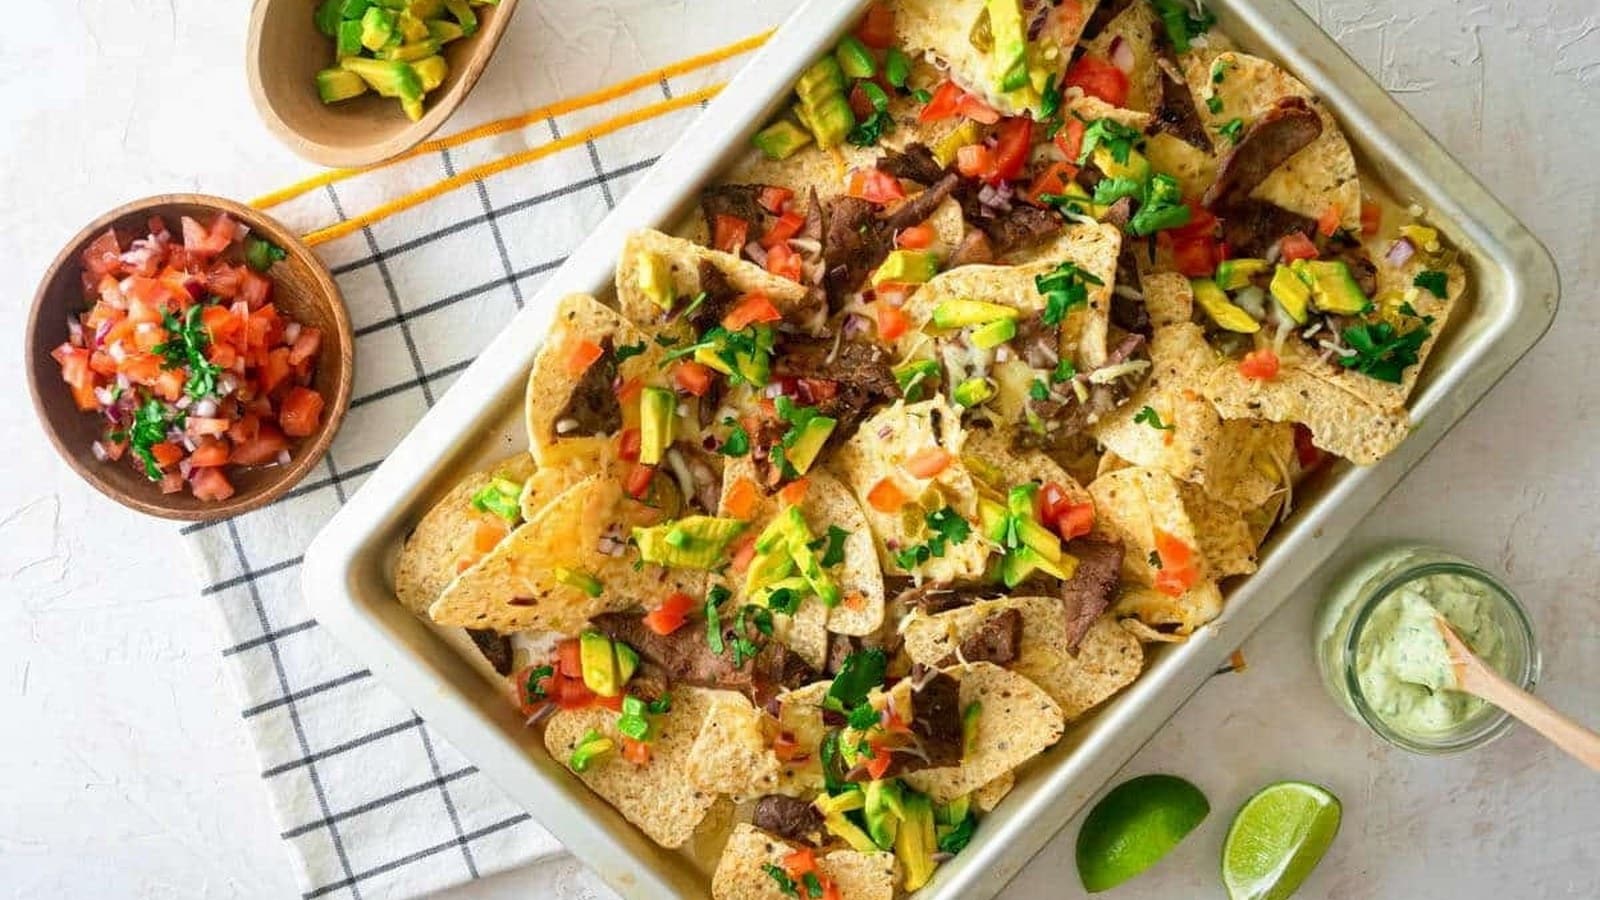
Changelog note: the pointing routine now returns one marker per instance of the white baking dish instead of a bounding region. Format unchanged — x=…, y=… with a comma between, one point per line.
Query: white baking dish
x=346, y=572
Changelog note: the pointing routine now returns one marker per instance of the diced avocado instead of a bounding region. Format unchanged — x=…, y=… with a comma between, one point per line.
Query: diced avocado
x=769, y=569
x=349, y=40
x=1291, y=292
x=896, y=67
x=993, y=520
x=1333, y=288
x=995, y=333
x=838, y=804
x=411, y=28
x=1023, y=561
x=463, y=15
x=658, y=409
x=789, y=533
x=847, y=831
x=969, y=726
x=581, y=580
x=781, y=140
x=822, y=78
x=907, y=267
x=655, y=280
x=961, y=313
x=692, y=542
x=954, y=812
x=1233, y=274
x=1222, y=310
x=709, y=357
x=965, y=134
x=593, y=746
x=1041, y=540
x=803, y=452
x=353, y=10
x=377, y=26
x=444, y=31
x=825, y=110
x=972, y=392
x=911, y=374
x=411, y=52
x=1422, y=237
x=327, y=17
x=755, y=366
x=915, y=843
x=882, y=810
x=432, y=71
x=599, y=659
x=627, y=661
x=412, y=108
x=388, y=77
x=334, y=85
x=1010, y=43
x=855, y=60
x=425, y=9
x=1137, y=167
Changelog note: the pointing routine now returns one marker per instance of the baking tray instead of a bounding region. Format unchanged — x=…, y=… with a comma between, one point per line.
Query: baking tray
x=346, y=573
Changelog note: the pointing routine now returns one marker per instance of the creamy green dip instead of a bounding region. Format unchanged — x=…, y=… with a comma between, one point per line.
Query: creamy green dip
x=1402, y=663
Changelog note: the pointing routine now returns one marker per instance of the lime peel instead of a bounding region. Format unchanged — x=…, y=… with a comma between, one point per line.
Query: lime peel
x=1134, y=826
x=1276, y=840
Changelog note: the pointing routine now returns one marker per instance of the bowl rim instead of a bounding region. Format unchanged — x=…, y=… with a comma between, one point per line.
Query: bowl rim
x=310, y=452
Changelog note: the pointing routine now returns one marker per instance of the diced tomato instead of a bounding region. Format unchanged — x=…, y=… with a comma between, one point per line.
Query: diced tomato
x=877, y=27
x=76, y=372
x=917, y=237
x=147, y=300
x=571, y=693
x=103, y=256
x=971, y=106
x=223, y=355
x=1098, y=78
x=636, y=752
x=886, y=497
x=148, y=337
x=1076, y=521
x=488, y=533
x=774, y=199
x=221, y=324
x=1260, y=365
x=263, y=447
x=210, y=484
x=629, y=390
x=1371, y=218
x=638, y=482
x=794, y=492
x=526, y=701
x=929, y=462
x=581, y=354
x=1069, y=140
x=730, y=233
x=1053, y=180
x=305, y=346
x=206, y=426
x=1195, y=257
x=200, y=242
x=224, y=280
x=800, y=863
x=628, y=444
x=102, y=363
x=787, y=226
x=974, y=161
x=569, y=658
x=169, y=384
x=277, y=368
x=830, y=888
x=166, y=453
x=942, y=105
x=1177, y=573
x=1306, y=451
x=1295, y=245
x=671, y=614
x=786, y=747
x=171, y=483
x=892, y=321
x=1050, y=502
x=742, y=498
x=785, y=263
x=1012, y=144
x=743, y=552
x=874, y=185
x=691, y=377
x=878, y=763
x=1328, y=222
x=301, y=412
x=750, y=310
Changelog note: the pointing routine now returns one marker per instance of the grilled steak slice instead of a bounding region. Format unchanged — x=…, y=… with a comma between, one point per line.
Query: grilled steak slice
x=684, y=657
x=1090, y=590
x=737, y=200
x=1101, y=17
x=974, y=249
x=916, y=163
x=1008, y=227
x=1251, y=227
x=997, y=640
x=720, y=297
x=1284, y=130
x=1174, y=109
x=917, y=209
x=932, y=598
x=936, y=725
x=788, y=817
x=843, y=382
x=495, y=647
x=852, y=244
x=593, y=405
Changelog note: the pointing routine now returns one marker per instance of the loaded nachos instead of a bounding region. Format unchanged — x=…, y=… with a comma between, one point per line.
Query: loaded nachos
x=999, y=354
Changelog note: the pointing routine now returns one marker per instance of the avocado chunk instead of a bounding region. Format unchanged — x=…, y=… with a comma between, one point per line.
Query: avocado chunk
x=692, y=542
x=583, y=581
x=855, y=60
x=847, y=831
x=658, y=410
x=1034, y=536
x=411, y=52
x=1024, y=561
x=1222, y=311
x=907, y=267
x=781, y=140
x=1233, y=274
x=1136, y=167
x=961, y=313
x=944, y=149
x=995, y=333
x=805, y=560
x=598, y=656
x=1010, y=43
x=655, y=279
x=882, y=810
x=993, y=520
x=425, y=9
x=411, y=28
x=972, y=392
x=593, y=746
x=848, y=801
x=388, y=77
x=432, y=71
x=824, y=108
x=334, y=85
x=954, y=812
x=327, y=17
x=353, y=9
x=349, y=41
x=1291, y=292
x=915, y=842
x=444, y=32
x=463, y=15
x=803, y=452
x=377, y=27
x=1333, y=288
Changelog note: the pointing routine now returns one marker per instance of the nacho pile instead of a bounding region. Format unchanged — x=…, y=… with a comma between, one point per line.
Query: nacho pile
x=994, y=362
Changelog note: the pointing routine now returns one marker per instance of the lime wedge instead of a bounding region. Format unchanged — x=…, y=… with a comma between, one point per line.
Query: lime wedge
x=1277, y=838
x=1134, y=826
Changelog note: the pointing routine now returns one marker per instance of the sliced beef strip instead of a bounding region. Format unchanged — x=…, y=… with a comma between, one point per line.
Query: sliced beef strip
x=997, y=640
x=1284, y=130
x=684, y=657
x=1064, y=417
x=974, y=249
x=720, y=297
x=737, y=200
x=916, y=210
x=852, y=244
x=788, y=817
x=812, y=228
x=1008, y=230
x=915, y=163
x=1174, y=108
x=593, y=405
x=932, y=598
x=1092, y=587
x=495, y=647
x=1131, y=315
x=860, y=372
x=1251, y=227
x=936, y=725
x=1038, y=344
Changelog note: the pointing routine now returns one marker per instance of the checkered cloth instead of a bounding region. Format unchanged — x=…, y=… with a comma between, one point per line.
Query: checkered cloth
x=370, y=802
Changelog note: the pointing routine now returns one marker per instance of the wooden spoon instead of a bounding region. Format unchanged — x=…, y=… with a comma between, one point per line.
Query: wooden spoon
x=1474, y=676
x=283, y=54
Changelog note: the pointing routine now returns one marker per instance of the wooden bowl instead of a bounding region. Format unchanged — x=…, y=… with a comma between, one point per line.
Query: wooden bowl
x=302, y=289
x=284, y=53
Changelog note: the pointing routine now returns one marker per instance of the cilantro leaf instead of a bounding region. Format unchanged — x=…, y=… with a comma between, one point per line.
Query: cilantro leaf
x=714, y=619
x=1147, y=415
x=1434, y=281
x=834, y=554
x=785, y=883
x=738, y=442
x=535, y=689
x=784, y=600
x=957, y=838
x=862, y=717
x=1231, y=129
x=1160, y=208
x=150, y=425
x=862, y=671
x=1039, y=390
x=1110, y=190
x=185, y=346
x=1214, y=104
x=1382, y=352
x=867, y=133
x=627, y=351
x=260, y=253
x=1063, y=288
x=1118, y=138
x=1180, y=25
x=1065, y=371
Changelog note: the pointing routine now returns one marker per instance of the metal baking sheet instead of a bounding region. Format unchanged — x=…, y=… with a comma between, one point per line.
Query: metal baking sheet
x=346, y=574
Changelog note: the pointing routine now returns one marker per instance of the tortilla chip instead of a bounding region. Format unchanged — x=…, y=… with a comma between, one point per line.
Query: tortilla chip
x=515, y=587
x=567, y=462
x=1347, y=418
x=942, y=31
x=1017, y=721
x=878, y=452
x=731, y=754
x=1132, y=504
x=812, y=168
x=684, y=258
x=446, y=533
x=659, y=796
x=1148, y=635
x=1200, y=446
x=742, y=875
x=1091, y=108
x=989, y=796
x=1168, y=298
x=1108, y=658
x=1319, y=176
x=1136, y=26
x=1195, y=169
x=1000, y=466
x=800, y=714
x=1225, y=539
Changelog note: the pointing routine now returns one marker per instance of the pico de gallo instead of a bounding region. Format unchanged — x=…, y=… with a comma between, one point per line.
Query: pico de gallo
x=183, y=353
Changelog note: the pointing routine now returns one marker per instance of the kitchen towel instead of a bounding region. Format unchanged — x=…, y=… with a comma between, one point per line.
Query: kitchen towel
x=434, y=252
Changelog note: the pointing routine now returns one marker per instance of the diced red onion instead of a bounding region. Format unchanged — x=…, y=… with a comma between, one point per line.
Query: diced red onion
x=184, y=402
x=855, y=325
x=680, y=472
x=100, y=452
x=105, y=395
x=1127, y=292
x=117, y=353
x=283, y=457
x=775, y=389
x=995, y=200
x=1400, y=253
x=809, y=246
x=184, y=468
x=227, y=384
x=1274, y=252
x=885, y=432
x=545, y=711
x=189, y=443
x=74, y=331
x=757, y=253
x=291, y=332
x=1122, y=54
x=206, y=408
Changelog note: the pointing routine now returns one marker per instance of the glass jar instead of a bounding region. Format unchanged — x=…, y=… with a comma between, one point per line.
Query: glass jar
x=1348, y=609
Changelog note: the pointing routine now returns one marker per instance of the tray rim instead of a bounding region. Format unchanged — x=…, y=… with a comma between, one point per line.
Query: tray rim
x=1509, y=262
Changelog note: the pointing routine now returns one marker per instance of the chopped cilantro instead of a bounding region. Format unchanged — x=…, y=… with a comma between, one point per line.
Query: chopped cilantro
x=1039, y=390
x=667, y=340
x=1434, y=281
x=1219, y=69
x=834, y=552
x=1162, y=207
x=784, y=600
x=947, y=528
x=1180, y=24
x=862, y=671
x=1063, y=288
x=1050, y=103
x=661, y=705
x=921, y=95
x=738, y=442
x=185, y=346
x=535, y=690
x=150, y=425
x=1110, y=190
x=260, y=253
x=862, y=717
x=1118, y=138
x=1214, y=104
x=627, y=351
x=813, y=885
x=1231, y=129
x=867, y=133
x=956, y=839
x=1147, y=415
x=714, y=619
x=1065, y=371
x=694, y=305
x=743, y=646
x=1382, y=351
x=785, y=883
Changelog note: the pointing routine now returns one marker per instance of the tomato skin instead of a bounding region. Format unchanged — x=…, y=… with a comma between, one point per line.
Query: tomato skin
x=875, y=186
x=785, y=263
x=1328, y=222
x=1259, y=365
x=774, y=199
x=879, y=763
x=636, y=752
x=751, y=309
x=1053, y=180
x=1177, y=573
x=929, y=462
x=263, y=447
x=301, y=412
x=877, y=27
x=628, y=444
x=1296, y=245
x=1069, y=140
x=1196, y=257
x=1306, y=451
x=1013, y=141
x=638, y=482
x=671, y=614
x=787, y=226
x=950, y=100
x=103, y=256
x=1076, y=521
x=794, y=492
x=729, y=234
x=892, y=321
x=917, y=237
x=691, y=378
x=975, y=161
x=1371, y=218
x=581, y=354
x=1098, y=78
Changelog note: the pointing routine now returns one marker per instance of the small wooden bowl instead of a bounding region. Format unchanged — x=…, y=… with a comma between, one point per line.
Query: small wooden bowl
x=302, y=289
x=284, y=53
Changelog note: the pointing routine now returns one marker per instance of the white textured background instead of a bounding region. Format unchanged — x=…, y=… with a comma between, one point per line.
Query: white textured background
x=123, y=768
